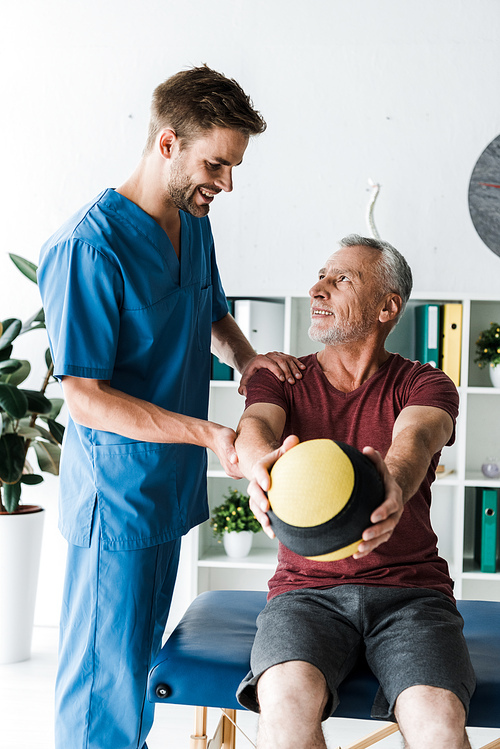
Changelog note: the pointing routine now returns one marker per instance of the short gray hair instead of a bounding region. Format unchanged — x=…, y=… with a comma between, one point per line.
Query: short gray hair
x=394, y=272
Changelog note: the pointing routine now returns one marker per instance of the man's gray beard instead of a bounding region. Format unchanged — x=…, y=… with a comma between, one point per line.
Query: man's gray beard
x=340, y=334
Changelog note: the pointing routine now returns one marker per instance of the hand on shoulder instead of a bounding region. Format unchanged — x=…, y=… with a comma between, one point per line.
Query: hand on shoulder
x=283, y=366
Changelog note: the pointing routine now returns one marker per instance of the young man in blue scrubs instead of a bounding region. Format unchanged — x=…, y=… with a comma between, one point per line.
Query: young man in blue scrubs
x=134, y=304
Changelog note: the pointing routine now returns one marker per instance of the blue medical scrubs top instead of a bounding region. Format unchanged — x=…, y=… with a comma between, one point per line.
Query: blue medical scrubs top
x=120, y=306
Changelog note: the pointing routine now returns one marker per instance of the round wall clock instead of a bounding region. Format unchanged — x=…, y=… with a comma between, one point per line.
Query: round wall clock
x=484, y=196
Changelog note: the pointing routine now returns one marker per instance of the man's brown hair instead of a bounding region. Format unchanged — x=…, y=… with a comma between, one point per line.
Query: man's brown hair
x=194, y=101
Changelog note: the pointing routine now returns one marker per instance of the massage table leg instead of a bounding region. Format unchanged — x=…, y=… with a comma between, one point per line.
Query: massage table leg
x=198, y=739
x=225, y=733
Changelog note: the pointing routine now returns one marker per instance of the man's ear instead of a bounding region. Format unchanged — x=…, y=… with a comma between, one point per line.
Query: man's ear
x=168, y=143
x=391, y=308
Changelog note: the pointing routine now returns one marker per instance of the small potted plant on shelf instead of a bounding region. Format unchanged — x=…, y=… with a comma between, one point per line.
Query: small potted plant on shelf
x=488, y=352
x=233, y=523
x=29, y=432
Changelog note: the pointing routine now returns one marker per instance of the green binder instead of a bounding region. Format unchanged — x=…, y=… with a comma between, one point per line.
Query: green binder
x=220, y=371
x=427, y=333
x=486, y=529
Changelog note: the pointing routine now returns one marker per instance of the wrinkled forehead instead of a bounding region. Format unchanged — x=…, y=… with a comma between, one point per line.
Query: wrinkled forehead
x=354, y=260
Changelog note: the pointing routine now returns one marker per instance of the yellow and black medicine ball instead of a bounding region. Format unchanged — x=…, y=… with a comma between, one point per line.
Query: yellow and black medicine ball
x=322, y=494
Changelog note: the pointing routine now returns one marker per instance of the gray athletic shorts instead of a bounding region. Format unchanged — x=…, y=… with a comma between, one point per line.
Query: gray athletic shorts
x=409, y=636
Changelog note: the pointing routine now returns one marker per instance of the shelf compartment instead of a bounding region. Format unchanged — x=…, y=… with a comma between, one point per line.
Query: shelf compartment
x=483, y=390
x=232, y=578
x=300, y=344
x=444, y=521
x=477, y=478
x=482, y=314
x=402, y=338
x=482, y=434
x=226, y=405
x=485, y=589
x=211, y=553
x=231, y=384
x=472, y=571
x=449, y=459
x=450, y=479
x=471, y=538
x=258, y=559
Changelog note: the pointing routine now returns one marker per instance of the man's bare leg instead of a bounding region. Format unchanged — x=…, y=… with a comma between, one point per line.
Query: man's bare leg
x=292, y=697
x=432, y=718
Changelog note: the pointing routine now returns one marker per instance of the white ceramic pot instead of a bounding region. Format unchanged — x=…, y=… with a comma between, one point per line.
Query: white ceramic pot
x=238, y=545
x=495, y=376
x=20, y=548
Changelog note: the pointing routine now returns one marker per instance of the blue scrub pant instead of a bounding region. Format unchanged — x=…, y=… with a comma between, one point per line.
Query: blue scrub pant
x=114, y=611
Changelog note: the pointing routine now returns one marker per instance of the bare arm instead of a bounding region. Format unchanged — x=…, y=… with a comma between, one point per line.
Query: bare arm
x=232, y=347
x=258, y=447
x=97, y=405
x=419, y=432
x=259, y=433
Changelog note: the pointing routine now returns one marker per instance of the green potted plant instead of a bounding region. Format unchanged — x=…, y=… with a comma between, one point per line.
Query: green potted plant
x=488, y=352
x=29, y=436
x=234, y=523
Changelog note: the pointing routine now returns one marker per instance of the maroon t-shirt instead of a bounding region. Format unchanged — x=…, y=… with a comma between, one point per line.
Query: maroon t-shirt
x=315, y=409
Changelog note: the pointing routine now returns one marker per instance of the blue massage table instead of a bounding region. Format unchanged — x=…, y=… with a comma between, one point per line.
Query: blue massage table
x=208, y=654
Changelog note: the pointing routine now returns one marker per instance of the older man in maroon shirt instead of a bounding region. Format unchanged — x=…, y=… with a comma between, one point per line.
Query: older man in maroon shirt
x=393, y=599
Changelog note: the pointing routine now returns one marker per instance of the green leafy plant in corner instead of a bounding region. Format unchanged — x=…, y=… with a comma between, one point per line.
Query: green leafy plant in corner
x=233, y=515
x=488, y=346
x=27, y=417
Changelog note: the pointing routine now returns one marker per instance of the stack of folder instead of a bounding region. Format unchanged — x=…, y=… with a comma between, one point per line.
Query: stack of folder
x=438, y=337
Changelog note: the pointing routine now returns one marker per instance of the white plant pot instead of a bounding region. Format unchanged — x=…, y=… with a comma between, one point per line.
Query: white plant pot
x=495, y=376
x=20, y=548
x=238, y=545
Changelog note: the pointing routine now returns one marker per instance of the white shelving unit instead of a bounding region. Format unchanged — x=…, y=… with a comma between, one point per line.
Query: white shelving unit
x=478, y=436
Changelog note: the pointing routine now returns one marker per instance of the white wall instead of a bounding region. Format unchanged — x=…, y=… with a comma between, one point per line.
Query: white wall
x=405, y=93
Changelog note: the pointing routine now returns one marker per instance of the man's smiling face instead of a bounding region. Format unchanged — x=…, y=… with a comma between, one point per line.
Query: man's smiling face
x=204, y=168
x=346, y=297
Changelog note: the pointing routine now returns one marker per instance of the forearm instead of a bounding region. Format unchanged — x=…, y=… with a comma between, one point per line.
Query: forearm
x=255, y=439
x=408, y=461
x=418, y=435
x=403, y=471
x=96, y=405
x=258, y=445
x=230, y=345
